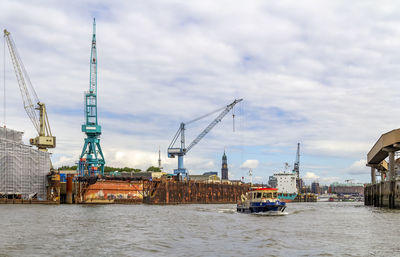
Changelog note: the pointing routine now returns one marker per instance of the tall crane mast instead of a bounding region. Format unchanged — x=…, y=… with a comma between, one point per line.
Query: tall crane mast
x=182, y=150
x=45, y=139
x=92, y=159
x=296, y=166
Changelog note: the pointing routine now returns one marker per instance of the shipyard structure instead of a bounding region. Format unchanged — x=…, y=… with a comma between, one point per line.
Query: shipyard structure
x=23, y=169
x=384, y=189
x=27, y=176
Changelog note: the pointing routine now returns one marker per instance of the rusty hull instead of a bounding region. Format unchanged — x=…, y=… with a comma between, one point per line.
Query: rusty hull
x=112, y=191
x=178, y=192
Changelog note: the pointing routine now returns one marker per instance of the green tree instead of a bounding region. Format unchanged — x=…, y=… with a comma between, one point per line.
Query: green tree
x=154, y=169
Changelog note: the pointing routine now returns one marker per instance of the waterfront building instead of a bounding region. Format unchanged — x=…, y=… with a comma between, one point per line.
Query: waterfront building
x=315, y=188
x=224, y=169
x=347, y=188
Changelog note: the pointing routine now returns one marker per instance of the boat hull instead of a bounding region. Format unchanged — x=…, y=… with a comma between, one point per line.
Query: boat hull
x=262, y=207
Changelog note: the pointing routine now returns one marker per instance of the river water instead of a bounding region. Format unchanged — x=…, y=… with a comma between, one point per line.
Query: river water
x=308, y=229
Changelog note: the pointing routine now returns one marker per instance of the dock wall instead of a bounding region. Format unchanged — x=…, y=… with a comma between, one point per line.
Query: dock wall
x=383, y=194
x=178, y=192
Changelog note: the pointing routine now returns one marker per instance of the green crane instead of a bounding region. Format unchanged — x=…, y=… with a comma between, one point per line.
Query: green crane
x=92, y=159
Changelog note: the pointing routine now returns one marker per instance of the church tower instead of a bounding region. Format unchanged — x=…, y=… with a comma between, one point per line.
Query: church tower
x=224, y=169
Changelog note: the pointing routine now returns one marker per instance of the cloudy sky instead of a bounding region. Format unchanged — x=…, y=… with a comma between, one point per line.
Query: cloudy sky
x=324, y=74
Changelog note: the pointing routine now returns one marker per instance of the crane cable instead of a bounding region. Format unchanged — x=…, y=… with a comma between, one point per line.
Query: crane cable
x=233, y=118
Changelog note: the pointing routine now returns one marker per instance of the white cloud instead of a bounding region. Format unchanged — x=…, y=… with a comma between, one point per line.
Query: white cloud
x=328, y=180
x=359, y=167
x=249, y=164
x=310, y=176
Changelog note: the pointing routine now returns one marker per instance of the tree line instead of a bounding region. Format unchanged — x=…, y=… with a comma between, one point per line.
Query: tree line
x=112, y=169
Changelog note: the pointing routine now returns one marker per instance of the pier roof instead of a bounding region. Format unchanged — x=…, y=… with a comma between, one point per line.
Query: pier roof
x=389, y=141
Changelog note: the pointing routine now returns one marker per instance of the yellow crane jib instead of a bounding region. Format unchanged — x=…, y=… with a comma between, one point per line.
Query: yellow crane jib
x=40, y=121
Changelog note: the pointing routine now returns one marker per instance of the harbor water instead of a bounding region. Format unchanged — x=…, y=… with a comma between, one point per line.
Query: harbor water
x=308, y=229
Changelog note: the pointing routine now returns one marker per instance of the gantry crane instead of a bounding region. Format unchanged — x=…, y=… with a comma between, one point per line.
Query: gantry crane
x=45, y=139
x=92, y=159
x=182, y=150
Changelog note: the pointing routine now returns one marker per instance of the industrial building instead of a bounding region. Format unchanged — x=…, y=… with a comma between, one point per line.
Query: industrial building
x=208, y=177
x=347, y=188
x=23, y=169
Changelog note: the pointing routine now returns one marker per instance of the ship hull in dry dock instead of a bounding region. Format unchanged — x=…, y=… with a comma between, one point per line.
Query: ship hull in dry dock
x=154, y=191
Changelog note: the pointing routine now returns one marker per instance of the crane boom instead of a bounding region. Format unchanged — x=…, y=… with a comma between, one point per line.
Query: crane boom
x=212, y=124
x=182, y=150
x=44, y=139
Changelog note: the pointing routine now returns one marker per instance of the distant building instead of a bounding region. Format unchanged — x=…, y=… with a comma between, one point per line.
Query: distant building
x=300, y=185
x=315, y=188
x=347, y=188
x=324, y=189
x=272, y=181
x=224, y=169
x=211, y=173
x=205, y=178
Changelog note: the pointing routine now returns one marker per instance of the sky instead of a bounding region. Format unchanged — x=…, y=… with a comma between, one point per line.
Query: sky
x=321, y=73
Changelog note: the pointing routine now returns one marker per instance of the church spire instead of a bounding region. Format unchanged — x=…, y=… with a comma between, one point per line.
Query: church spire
x=224, y=169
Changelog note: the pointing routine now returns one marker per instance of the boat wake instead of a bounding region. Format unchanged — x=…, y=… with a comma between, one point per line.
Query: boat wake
x=270, y=213
x=227, y=210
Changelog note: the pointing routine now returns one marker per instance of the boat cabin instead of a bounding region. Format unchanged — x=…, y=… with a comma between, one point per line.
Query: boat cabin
x=262, y=194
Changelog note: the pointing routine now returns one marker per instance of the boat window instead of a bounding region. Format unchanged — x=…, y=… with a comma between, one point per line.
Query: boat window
x=284, y=194
x=274, y=195
x=258, y=195
x=264, y=195
x=269, y=195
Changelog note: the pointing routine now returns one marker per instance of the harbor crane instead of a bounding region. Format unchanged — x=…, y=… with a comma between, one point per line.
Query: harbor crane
x=296, y=166
x=92, y=161
x=182, y=150
x=40, y=121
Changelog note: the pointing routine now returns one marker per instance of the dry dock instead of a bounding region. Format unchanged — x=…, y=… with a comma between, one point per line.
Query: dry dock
x=163, y=191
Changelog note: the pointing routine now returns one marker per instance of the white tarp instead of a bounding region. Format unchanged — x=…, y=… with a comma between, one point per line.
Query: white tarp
x=23, y=169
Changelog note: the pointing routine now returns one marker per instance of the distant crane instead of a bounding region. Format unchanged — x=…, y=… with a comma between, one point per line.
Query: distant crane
x=182, y=150
x=296, y=166
x=92, y=157
x=45, y=139
x=159, y=159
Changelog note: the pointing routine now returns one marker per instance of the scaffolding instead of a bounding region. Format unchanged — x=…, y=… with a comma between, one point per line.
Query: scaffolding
x=23, y=169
